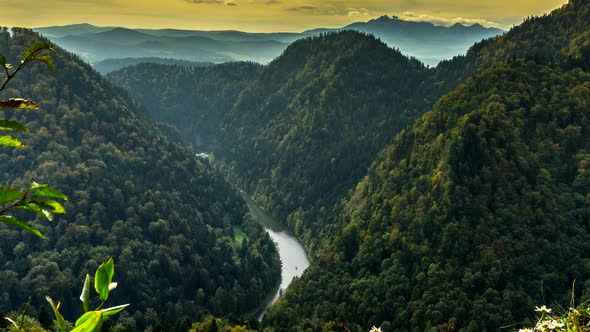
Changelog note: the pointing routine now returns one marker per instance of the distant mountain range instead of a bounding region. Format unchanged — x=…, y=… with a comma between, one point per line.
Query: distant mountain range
x=425, y=41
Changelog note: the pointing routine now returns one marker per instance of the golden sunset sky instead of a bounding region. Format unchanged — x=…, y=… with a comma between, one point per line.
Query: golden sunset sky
x=264, y=15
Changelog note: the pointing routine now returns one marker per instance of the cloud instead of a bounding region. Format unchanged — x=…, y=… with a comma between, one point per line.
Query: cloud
x=411, y=16
x=301, y=8
x=355, y=12
x=272, y=2
x=214, y=2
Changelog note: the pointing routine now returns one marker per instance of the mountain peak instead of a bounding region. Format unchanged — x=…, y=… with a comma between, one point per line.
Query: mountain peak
x=475, y=26
x=122, y=32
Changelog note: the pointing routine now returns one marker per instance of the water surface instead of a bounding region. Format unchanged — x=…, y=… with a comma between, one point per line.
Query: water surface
x=293, y=256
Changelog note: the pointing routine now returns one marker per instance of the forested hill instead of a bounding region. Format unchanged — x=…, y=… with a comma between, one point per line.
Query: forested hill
x=479, y=211
x=167, y=218
x=560, y=38
x=472, y=217
x=468, y=219
x=193, y=100
x=305, y=131
x=109, y=65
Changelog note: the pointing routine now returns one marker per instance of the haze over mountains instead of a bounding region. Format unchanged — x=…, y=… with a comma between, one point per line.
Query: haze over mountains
x=423, y=40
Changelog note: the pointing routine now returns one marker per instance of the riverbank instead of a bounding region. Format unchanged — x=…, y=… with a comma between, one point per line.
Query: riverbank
x=294, y=258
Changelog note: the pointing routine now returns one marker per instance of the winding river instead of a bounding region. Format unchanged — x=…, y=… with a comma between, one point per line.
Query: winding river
x=294, y=258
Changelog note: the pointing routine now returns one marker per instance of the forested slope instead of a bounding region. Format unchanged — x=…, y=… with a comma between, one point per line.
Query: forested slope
x=166, y=217
x=300, y=132
x=193, y=100
x=561, y=37
x=305, y=131
x=478, y=211
x=475, y=214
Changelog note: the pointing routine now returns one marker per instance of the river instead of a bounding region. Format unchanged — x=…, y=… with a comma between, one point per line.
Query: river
x=293, y=256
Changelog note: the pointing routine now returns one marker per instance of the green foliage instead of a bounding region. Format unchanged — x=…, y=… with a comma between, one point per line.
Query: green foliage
x=477, y=211
x=135, y=195
x=305, y=130
x=193, y=100
x=92, y=321
x=102, y=279
x=428, y=240
x=474, y=213
x=22, y=323
x=12, y=125
x=59, y=319
x=210, y=323
x=471, y=215
x=35, y=52
x=38, y=198
x=559, y=38
x=89, y=322
x=574, y=319
x=85, y=295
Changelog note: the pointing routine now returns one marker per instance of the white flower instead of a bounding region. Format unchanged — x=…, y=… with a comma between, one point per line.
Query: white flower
x=375, y=329
x=553, y=324
x=525, y=330
x=541, y=326
x=543, y=309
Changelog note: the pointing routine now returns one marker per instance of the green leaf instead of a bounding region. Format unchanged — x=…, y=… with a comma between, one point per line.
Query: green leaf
x=18, y=103
x=89, y=322
x=10, y=220
x=84, y=318
x=49, y=205
x=31, y=206
x=48, y=60
x=34, y=49
x=47, y=191
x=113, y=311
x=85, y=296
x=8, y=195
x=11, y=142
x=12, y=322
x=2, y=60
x=102, y=279
x=61, y=324
x=12, y=125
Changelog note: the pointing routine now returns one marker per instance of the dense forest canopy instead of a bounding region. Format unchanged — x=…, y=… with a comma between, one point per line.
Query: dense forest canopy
x=166, y=217
x=194, y=100
x=451, y=198
x=109, y=65
x=479, y=210
x=467, y=219
x=300, y=132
x=475, y=214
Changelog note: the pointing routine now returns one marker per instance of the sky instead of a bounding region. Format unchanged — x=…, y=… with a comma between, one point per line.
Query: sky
x=264, y=15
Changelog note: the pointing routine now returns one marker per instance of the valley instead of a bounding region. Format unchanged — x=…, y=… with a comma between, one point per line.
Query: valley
x=294, y=258
x=351, y=178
